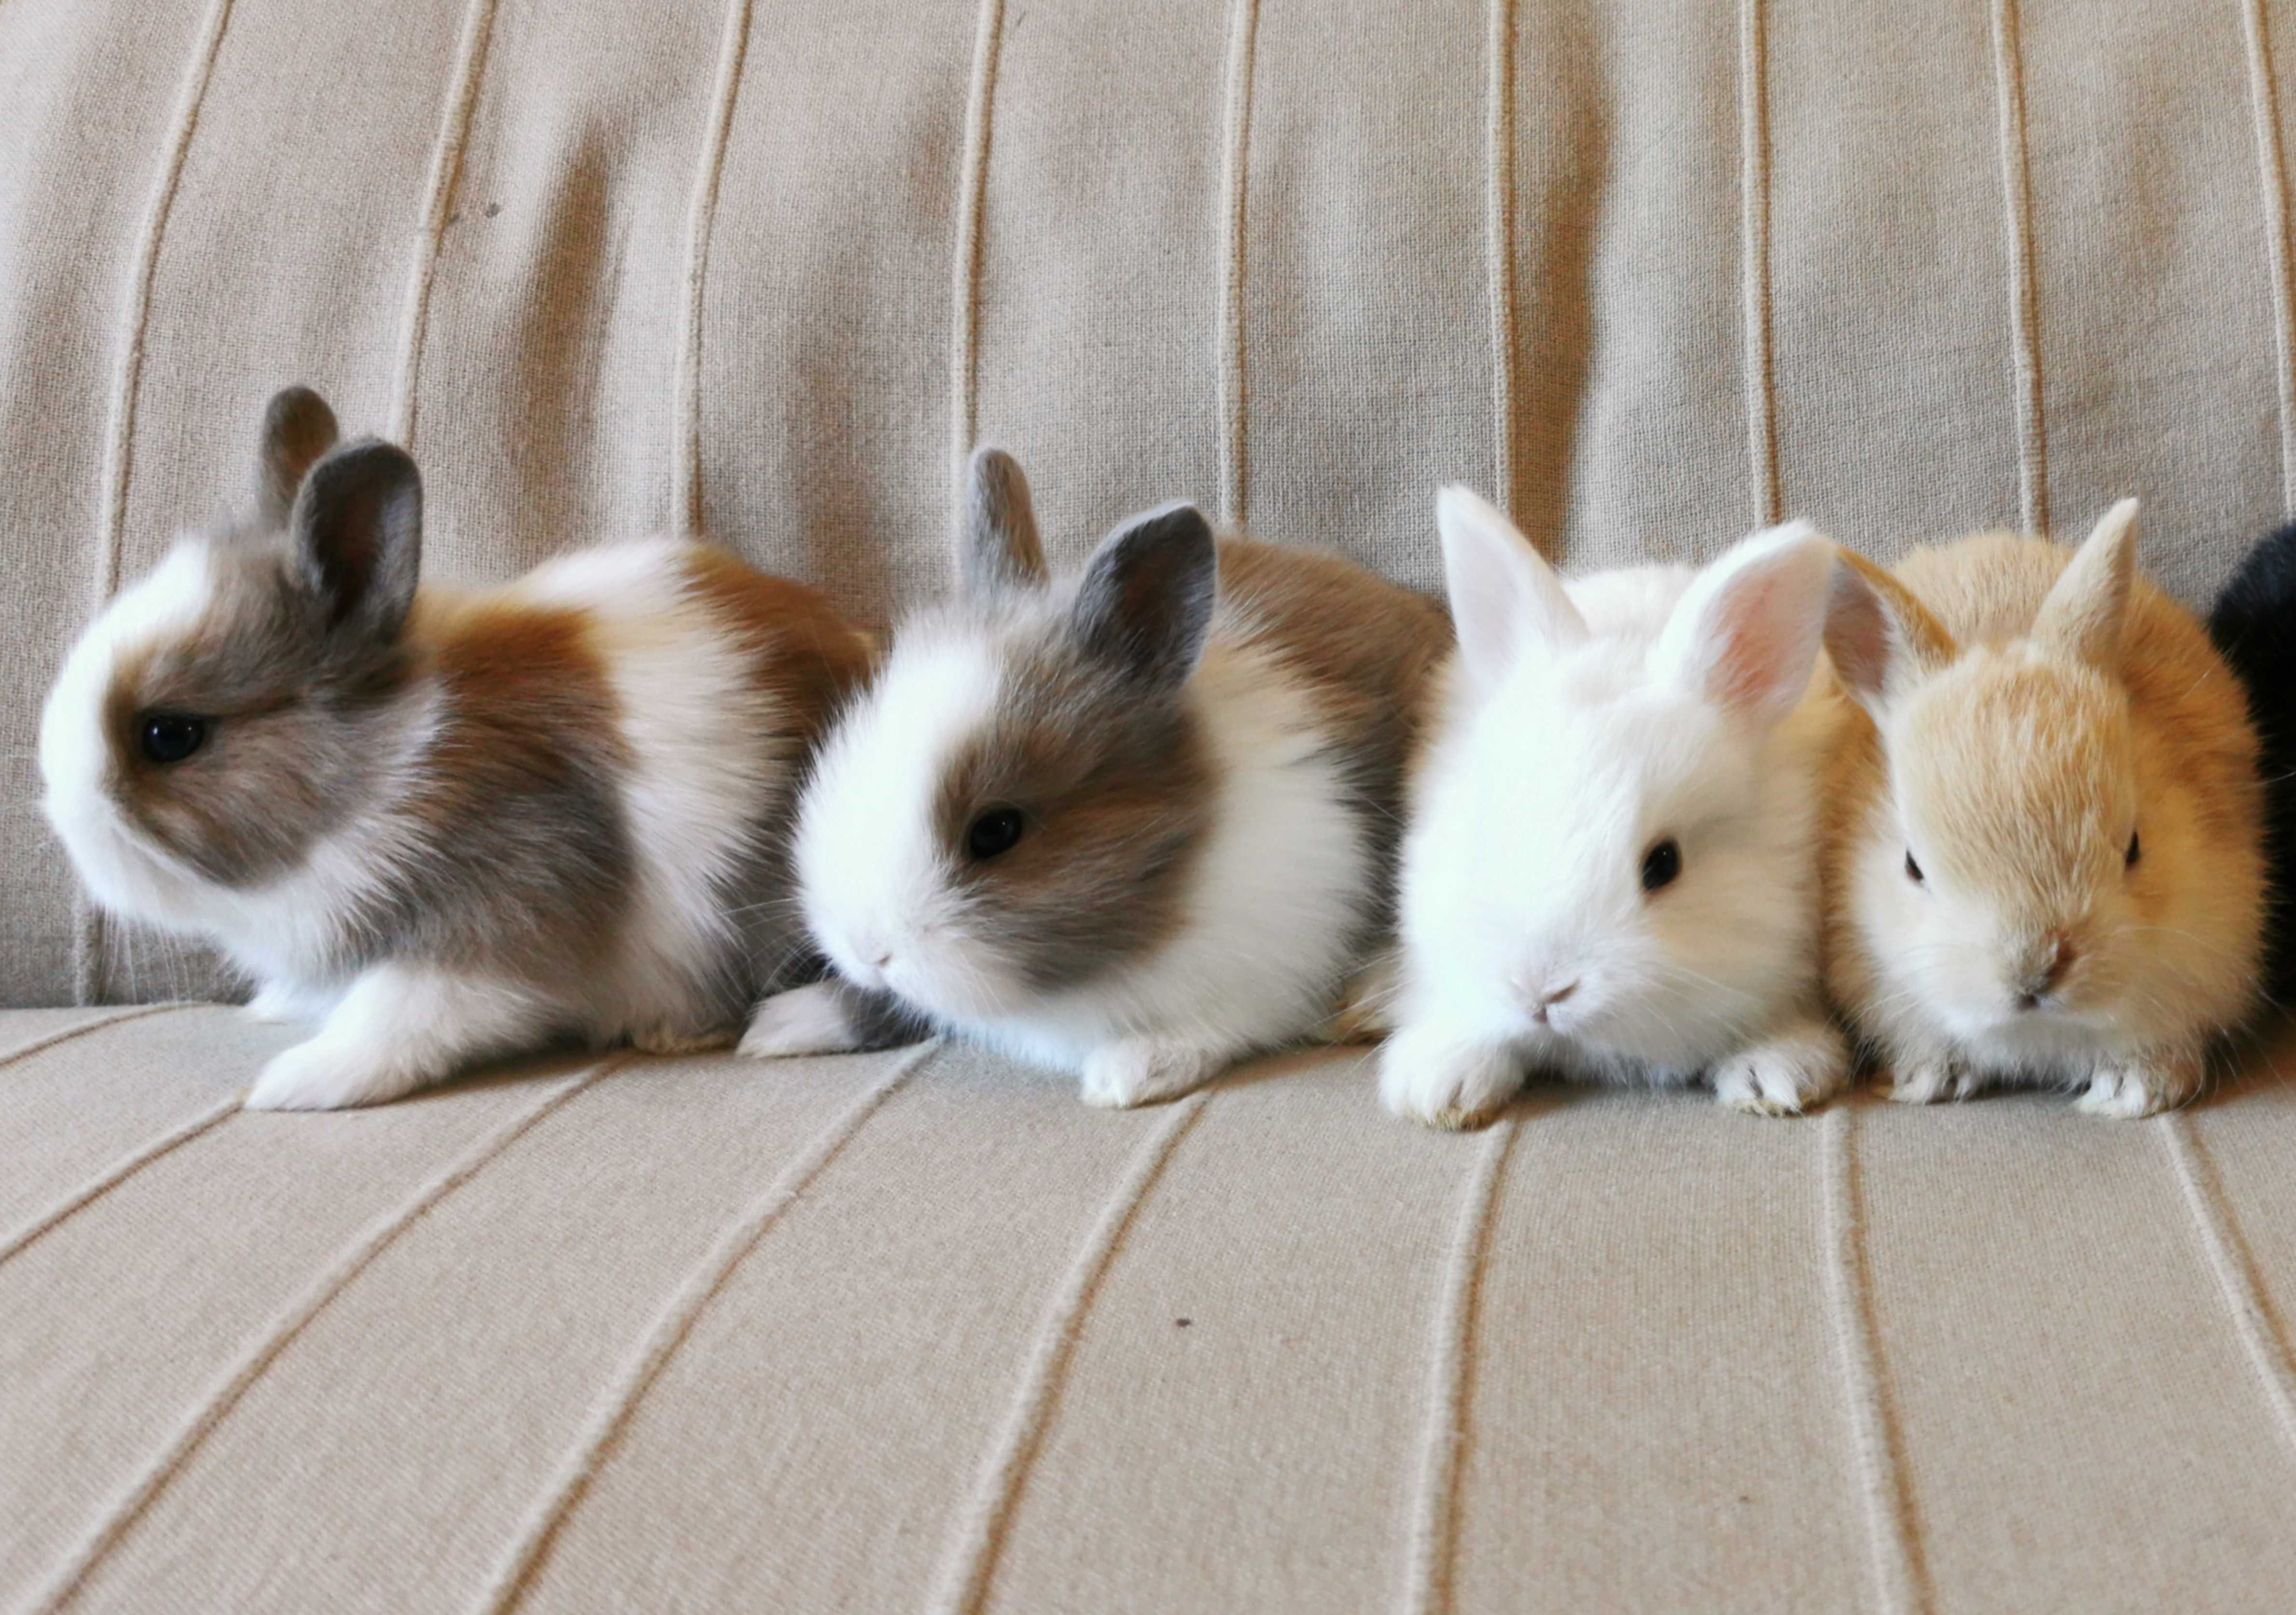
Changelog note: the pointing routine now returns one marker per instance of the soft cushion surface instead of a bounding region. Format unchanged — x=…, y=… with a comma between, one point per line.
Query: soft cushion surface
x=917, y=1332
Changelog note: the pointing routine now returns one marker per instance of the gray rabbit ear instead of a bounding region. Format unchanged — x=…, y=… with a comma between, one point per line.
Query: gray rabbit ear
x=357, y=527
x=999, y=552
x=1145, y=603
x=298, y=428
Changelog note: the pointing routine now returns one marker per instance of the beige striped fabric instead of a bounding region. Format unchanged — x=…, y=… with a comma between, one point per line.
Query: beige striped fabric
x=920, y=1332
x=914, y=1332
x=1651, y=271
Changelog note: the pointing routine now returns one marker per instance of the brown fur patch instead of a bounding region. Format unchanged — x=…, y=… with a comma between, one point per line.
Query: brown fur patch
x=1112, y=781
x=283, y=705
x=803, y=653
x=1370, y=652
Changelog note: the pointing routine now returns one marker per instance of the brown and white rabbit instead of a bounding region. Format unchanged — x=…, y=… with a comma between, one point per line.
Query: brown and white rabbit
x=2045, y=856
x=1133, y=822
x=447, y=824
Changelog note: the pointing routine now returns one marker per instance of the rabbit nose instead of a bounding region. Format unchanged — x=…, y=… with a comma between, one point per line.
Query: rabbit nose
x=1541, y=1003
x=2043, y=969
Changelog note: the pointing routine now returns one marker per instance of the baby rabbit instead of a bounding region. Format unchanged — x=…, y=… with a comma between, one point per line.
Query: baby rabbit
x=1611, y=868
x=1133, y=822
x=448, y=826
x=2044, y=850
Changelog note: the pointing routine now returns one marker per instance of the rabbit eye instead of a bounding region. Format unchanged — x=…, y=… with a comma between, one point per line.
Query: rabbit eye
x=2129, y=859
x=171, y=737
x=1914, y=870
x=1660, y=864
x=994, y=833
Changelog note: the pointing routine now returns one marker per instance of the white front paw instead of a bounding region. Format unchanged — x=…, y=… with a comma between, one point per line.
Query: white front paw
x=804, y=1020
x=1786, y=1075
x=321, y=1075
x=1930, y=1081
x=2128, y=1089
x=282, y=1003
x=1444, y=1081
x=1143, y=1071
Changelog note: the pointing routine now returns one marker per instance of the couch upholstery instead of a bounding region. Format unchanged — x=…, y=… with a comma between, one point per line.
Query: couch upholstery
x=919, y=1332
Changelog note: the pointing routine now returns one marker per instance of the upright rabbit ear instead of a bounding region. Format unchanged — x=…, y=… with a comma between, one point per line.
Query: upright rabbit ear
x=1744, y=635
x=999, y=551
x=1882, y=642
x=2082, y=613
x=1504, y=599
x=357, y=528
x=298, y=428
x=1145, y=603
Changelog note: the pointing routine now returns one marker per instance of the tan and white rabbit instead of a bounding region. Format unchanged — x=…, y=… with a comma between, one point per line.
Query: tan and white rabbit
x=445, y=825
x=2045, y=850
x=1133, y=822
x=1611, y=869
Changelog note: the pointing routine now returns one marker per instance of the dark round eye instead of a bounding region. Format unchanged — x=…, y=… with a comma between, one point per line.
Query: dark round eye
x=993, y=832
x=1660, y=864
x=1913, y=870
x=2133, y=849
x=171, y=737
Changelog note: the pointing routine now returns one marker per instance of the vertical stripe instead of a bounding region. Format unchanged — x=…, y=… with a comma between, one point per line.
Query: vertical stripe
x=2272, y=182
x=1900, y=1580
x=119, y=1173
x=1434, y=1534
x=1498, y=245
x=685, y=451
x=2262, y=1337
x=971, y=209
x=115, y=1520
x=445, y=173
x=1235, y=155
x=90, y=935
x=1754, y=258
x=602, y=1432
x=2024, y=291
x=969, y=1564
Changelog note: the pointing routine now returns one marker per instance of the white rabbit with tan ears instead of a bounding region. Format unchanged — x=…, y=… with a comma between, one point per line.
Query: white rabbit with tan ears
x=2045, y=846
x=1134, y=822
x=1612, y=870
x=448, y=826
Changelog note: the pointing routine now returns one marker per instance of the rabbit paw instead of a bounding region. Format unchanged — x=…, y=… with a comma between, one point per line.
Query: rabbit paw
x=804, y=1020
x=1929, y=1081
x=321, y=1075
x=662, y=1039
x=1367, y=1004
x=2126, y=1090
x=1144, y=1070
x=1785, y=1075
x=1446, y=1082
x=286, y=1004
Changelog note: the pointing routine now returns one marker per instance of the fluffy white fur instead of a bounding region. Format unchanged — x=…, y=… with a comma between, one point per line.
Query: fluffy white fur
x=1273, y=902
x=1585, y=723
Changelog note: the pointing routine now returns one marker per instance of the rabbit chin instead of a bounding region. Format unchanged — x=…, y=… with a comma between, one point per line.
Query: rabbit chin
x=1601, y=1043
x=124, y=874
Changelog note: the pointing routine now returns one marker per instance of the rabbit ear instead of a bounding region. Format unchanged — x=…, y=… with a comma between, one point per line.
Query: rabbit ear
x=1744, y=635
x=298, y=428
x=1506, y=600
x=1882, y=641
x=1145, y=602
x=2082, y=613
x=999, y=551
x=357, y=527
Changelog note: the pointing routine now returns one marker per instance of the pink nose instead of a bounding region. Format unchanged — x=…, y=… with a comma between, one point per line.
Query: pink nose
x=1548, y=1000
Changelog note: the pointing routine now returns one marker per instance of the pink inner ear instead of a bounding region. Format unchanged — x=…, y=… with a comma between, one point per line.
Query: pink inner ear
x=1758, y=653
x=1857, y=635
